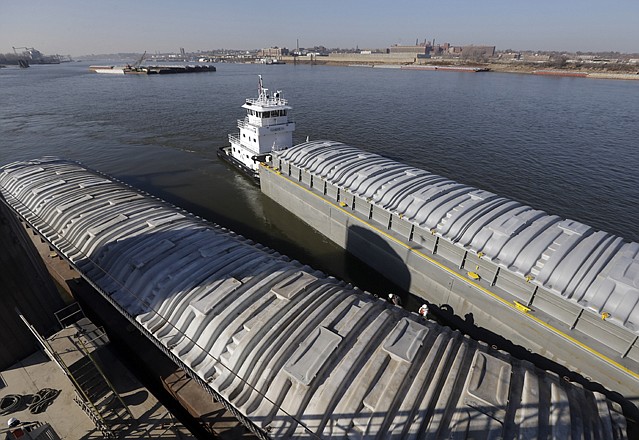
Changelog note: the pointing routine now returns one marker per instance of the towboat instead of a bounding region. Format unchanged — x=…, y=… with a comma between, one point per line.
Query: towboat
x=265, y=128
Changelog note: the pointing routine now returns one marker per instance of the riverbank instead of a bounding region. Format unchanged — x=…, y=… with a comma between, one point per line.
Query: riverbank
x=598, y=73
x=397, y=62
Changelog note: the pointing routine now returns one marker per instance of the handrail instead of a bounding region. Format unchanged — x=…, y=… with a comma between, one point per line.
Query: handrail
x=267, y=101
x=243, y=123
x=86, y=352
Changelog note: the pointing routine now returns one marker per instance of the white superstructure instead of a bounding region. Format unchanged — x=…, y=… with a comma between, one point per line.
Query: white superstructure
x=107, y=69
x=265, y=128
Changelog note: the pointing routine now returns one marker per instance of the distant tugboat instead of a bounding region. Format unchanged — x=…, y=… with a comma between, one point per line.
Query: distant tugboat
x=265, y=128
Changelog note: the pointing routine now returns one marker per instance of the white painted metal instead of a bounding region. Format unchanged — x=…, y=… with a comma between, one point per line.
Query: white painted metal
x=265, y=128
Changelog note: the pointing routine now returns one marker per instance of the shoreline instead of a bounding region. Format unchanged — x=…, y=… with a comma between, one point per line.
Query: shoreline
x=485, y=68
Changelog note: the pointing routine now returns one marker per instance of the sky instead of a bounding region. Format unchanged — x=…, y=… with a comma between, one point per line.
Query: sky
x=84, y=27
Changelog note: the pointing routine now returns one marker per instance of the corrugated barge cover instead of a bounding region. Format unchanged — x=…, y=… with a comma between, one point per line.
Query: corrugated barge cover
x=298, y=353
x=593, y=269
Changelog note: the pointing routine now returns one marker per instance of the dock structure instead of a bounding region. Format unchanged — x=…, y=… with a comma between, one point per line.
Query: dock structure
x=290, y=351
x=557, y=287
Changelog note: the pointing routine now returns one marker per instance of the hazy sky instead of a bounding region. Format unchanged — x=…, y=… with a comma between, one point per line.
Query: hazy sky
x=80, y=27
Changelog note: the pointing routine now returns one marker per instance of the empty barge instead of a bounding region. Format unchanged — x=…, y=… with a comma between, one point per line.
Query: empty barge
x=557, y=287
x=293, y=353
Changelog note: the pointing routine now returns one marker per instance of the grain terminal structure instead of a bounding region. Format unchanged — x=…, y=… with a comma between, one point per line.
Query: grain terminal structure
x=555, y=286
x=292, y=352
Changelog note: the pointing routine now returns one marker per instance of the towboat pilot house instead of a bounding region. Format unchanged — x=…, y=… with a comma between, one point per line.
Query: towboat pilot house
x=265, y=128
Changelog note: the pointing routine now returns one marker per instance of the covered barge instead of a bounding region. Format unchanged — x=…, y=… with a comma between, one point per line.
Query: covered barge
x=557, y=287
x=290, y=351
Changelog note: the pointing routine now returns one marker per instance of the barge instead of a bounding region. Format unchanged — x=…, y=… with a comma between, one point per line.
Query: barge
x=290, y=351
x=557, y=287
x=152, y=70
x=471, y=69
x=561, y=73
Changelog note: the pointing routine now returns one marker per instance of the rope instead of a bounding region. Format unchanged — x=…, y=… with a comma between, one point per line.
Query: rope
x=42, y=399
x=10, y=403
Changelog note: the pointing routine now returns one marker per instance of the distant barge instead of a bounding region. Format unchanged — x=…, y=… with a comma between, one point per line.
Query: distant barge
x=448, y=68
x=152, y=70
x=560, y=73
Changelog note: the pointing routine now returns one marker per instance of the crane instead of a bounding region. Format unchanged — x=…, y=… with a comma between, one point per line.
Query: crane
x=136, y=65
x=27, y=48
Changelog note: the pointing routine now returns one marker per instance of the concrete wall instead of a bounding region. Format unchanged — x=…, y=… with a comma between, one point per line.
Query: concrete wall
x=24, y=284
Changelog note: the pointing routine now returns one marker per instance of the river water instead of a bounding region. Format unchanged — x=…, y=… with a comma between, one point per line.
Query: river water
x=568, y=146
